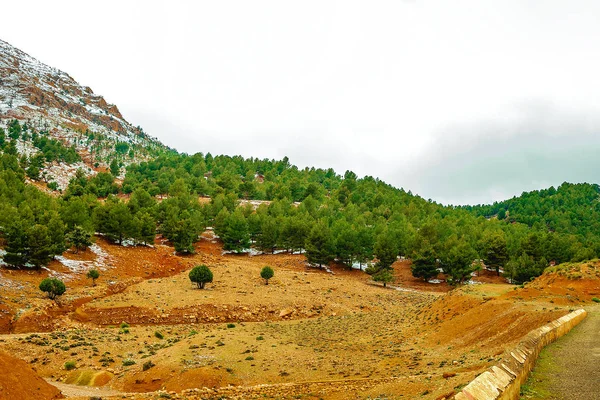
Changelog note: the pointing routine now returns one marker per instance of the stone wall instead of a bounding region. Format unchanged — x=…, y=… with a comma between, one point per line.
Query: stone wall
x=503, y=381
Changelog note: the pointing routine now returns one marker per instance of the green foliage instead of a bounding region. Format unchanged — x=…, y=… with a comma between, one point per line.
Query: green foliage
x=235, y=236
x=385, y=276
x=595, y=300
x=54, y=287
x=424, y=263
x=147, y=365
x=70, y=365
x=319, y=245
x=14, y=129
x=159, y=335
x=79, y=238
x=55, y=150
x=495, y=250
x=267, y=273
x=459, y=262
x=201, y=275
x=385, y=250
x=93, y=274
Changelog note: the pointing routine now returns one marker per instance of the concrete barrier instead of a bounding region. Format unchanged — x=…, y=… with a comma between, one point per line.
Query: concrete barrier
x=503, y=381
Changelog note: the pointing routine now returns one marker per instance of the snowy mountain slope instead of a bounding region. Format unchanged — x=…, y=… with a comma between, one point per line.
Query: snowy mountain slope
x=50, y=101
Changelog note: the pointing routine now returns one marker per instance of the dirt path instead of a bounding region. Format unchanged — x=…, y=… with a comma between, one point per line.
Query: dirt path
x=570, y=367
x=84, y=391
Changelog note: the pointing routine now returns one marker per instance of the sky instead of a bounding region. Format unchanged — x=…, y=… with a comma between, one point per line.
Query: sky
x=461, y=102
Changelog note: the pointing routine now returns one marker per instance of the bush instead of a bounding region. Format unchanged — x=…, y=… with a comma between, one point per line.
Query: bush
x=231, y=326
x=267, y=273
x=595, y=300
x=54, y=287
x=159, y=335
x=128, y=362
x=147, y=365
x=69, y=365
x=201, y=275
x=93, y=274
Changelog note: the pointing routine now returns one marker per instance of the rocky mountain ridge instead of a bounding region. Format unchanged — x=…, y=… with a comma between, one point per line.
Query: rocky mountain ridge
x=49, y=101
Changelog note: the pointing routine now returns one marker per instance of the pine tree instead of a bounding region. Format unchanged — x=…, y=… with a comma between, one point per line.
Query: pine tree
x=268, y=237
x=385, y=250
x=79, y=238
x=385, y=275
x=236, y=236
x=146, y=228
x=424, y=263
x=17, y=242
x=319, y=245
x=40, y=246
x=496, y=252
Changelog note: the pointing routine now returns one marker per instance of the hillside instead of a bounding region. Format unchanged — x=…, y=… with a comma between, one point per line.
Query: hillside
x=377, y=292
x=570, y=208
x=48, y=102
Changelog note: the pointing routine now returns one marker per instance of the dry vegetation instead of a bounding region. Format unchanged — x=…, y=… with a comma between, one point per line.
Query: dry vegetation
x=146, y=332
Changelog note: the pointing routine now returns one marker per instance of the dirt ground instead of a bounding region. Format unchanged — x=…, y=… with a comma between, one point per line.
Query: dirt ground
x=145, y=331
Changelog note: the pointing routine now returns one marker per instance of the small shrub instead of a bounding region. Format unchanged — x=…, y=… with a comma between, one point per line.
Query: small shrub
x=93, y=274
x=267, y=273
x=595, y=300
x=54, y=287
x=260, y=338
x=69, y=365
x=230, y=326
x=249, y=358
x=127, y=362
x=159, y=335
x=124, y=325
x=147, y=365
x=201, y=275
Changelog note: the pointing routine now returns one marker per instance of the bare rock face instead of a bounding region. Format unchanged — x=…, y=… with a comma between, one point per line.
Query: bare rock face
x=49, y=100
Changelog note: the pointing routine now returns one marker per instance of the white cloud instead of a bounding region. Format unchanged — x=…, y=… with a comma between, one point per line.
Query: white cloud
x=370, y=86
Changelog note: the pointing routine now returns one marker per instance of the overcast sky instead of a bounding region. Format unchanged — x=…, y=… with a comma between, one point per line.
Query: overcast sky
x=458, y=101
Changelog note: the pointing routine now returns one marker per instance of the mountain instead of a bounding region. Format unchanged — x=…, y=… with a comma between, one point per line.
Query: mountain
x=50, y=102
x=51, y=128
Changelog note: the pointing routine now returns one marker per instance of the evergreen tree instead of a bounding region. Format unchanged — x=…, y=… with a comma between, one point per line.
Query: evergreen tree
x=17, y=242
x=54, y=287
x=114, y=167
x=185, y=234
x=424, y=264
x=146, y=228
x=319, y=245
x=201, y=275
x=496, y=252
x=236, y=236
x=384, y=275
x=93, y=274
x=385, y=250
x=79, y=238
x=459, y=262
x=40, y=246
x=267, y=273
x=269, y=235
